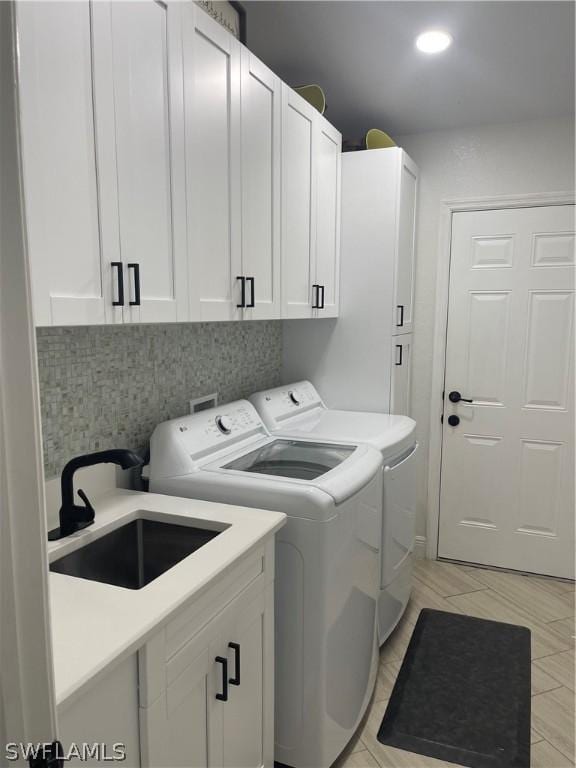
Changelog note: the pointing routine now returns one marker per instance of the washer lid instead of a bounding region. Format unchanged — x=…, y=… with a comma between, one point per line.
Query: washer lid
x=389, y=434
x=301, y=460
x=301, y=467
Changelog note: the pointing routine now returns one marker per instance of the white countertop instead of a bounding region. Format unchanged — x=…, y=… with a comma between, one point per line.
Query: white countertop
x=95, y=624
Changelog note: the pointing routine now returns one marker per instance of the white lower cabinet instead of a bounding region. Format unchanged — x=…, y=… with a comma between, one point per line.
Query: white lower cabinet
x=102, y=723
x=211, y=704
x=199, y=693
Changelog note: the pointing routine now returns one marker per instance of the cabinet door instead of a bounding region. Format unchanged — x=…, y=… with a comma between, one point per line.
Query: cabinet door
x=106, y=713
x=175, y=729
x=144, y=44
x=328, y=160
x=59, y=164
x=242, y=715
x=261, y=110
x=405, y=256
x=401, y=375
x=212, y=144
x=298, y=204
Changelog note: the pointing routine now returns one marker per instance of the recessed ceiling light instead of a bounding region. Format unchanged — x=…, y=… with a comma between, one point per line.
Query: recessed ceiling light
x=433, y=41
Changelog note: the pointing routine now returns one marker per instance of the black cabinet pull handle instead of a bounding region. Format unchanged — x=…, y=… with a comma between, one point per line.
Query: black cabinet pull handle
x=251, y=303
x=315, y=296
x=136, y=268
x=236, y=679
x=399, y=357
x=242, y=292
x=224, y=695
x=321, y=287
x=456, y=397
x=119, y=283
x=401, y=308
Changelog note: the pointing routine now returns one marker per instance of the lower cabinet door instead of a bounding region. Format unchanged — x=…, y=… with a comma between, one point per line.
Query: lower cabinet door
x=244, y=645
x=401, y=375
x=215, y=697
x=175, y=730
x=100, y=727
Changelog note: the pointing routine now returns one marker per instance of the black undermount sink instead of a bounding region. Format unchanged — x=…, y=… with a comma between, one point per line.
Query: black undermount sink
x=134, y=554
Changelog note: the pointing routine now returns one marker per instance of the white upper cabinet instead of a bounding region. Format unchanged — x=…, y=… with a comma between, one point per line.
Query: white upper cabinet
x=212, y=138
x=298, y=204
x=168, y=174
x=100, y=88
x=311, y=159
x=59, y=163
x=405, y=257
x=260, y=170
x=140, y=114
x=328, y=161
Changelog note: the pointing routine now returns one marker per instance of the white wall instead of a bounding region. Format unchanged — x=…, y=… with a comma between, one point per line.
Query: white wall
x=531, y=157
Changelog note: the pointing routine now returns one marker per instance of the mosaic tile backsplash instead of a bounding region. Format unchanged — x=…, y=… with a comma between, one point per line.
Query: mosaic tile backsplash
x=108, y=386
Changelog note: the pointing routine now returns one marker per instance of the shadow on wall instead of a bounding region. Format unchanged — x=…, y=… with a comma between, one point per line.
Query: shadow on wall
x=108, y=386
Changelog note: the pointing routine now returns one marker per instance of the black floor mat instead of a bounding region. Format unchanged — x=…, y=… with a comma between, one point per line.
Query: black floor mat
x=463, y=693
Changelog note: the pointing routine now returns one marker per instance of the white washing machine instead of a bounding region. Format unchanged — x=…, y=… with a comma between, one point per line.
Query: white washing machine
x=297, y=411
x=327, y=560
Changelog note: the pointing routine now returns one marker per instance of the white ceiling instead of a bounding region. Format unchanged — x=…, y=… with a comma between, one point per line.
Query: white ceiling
x=510, y=61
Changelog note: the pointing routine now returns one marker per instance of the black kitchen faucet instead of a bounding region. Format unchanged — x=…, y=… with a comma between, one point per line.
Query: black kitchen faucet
x=74, y=517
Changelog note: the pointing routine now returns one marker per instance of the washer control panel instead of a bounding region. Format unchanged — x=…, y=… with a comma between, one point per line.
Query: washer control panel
x=213, y=429
x=275, y=405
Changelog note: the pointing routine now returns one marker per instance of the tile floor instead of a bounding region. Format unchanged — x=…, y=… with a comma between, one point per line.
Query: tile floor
x=546, y=606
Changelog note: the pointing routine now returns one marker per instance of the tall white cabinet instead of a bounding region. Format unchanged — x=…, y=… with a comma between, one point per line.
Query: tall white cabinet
x=363, y=361
x=169, y=175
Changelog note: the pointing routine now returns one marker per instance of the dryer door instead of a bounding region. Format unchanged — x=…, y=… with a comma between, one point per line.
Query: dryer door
x=398, y=513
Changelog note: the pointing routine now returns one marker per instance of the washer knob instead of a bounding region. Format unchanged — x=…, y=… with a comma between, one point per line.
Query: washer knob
x=224, y=424
x=294, y=397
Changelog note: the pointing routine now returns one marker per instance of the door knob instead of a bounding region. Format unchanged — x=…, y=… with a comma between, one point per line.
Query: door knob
x=455, y=397
x=453, y=420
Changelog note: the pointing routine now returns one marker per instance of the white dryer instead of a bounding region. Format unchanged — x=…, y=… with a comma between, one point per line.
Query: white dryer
x=327, y=560
x=297, y=411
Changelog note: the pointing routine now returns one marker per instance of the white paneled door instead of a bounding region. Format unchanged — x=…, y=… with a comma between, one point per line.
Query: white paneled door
x=507, y=488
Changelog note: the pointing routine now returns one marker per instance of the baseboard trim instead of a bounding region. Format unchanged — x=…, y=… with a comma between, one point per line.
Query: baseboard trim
x=420, y=548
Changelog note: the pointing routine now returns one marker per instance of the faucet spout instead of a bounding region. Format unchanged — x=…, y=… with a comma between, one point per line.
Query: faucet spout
x=74, y=517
